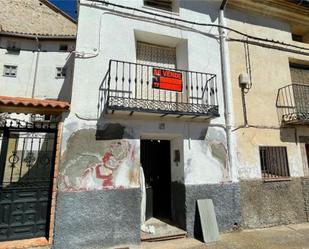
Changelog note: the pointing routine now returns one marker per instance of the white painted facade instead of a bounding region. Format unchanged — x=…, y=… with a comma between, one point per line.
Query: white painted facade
x=105, y=33
x=36, y=69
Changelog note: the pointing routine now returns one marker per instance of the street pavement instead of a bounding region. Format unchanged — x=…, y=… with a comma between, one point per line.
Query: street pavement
x=294, y=236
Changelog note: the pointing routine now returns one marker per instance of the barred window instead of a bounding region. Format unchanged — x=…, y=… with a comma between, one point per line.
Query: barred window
x=9, y=70
x=160, y=4
x=274, y=162
x=61, y=72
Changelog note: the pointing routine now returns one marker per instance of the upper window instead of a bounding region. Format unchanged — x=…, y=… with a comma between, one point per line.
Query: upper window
x=150, y=54
x=298, y=38
x=12, y=47
x=61, y=72
x=274, y=162
x=9, y=71
x=63, y=47
x=160, y=4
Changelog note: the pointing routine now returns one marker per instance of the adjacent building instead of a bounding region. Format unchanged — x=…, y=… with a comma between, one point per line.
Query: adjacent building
x=36, y=64
x=269, y=75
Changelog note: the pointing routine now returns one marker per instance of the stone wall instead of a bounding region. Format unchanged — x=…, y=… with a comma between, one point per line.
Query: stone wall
x=226, y=199
x=305, y=185
x=97, y=219
x=265, y=204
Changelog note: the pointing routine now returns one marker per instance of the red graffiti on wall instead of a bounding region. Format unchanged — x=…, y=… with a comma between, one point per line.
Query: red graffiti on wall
x=101, y=175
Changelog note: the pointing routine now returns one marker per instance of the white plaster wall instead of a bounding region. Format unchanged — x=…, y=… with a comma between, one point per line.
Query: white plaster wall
x=47, y=86
x=105, y=35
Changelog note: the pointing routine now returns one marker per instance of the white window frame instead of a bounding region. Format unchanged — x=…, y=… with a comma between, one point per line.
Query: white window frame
x=61, y=72
x=11, y=68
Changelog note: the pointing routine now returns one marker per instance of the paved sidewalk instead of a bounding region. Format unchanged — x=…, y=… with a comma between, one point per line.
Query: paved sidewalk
x=282, y=237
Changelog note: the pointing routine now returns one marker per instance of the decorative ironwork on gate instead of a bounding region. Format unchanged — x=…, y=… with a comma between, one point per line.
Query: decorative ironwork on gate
x=128, y=86
x=27, y=155
x=293, y=104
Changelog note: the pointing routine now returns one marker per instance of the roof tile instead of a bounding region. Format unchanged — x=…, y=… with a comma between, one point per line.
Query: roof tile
x=29, y=102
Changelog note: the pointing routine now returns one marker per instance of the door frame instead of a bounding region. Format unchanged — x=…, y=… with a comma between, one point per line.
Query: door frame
x=169, y=180
x=172, y=137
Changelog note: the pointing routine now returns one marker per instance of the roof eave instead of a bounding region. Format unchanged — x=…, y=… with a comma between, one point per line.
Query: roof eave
x=38, y=36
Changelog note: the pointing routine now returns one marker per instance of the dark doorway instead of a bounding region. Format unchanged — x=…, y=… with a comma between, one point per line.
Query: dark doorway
x=156, y=163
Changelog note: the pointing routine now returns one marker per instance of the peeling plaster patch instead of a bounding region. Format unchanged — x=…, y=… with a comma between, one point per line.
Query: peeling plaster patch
x=207, y=160
x=219, y=151
x=71, y=125
x=203, y=167
x=215, y=134
x=89, y=164
x=110, y=131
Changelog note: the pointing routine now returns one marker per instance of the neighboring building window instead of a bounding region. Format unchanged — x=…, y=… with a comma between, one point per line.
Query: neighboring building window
x=12, y=47
x=61, y=72
x=298, y=38
x=63, y=47
x=274, y=162
x=9, y=71
x=160, y=4
x=300, y=93
x=299, y=74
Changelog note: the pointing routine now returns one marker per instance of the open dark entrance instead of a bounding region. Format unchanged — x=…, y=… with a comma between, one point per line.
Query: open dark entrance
x=156, y=163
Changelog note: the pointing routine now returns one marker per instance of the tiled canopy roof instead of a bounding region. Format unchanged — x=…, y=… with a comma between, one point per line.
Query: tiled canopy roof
x=29, y=105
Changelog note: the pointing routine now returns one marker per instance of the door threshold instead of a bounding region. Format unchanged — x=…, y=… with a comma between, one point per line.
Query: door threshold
x=24, y=243
x=163, y=231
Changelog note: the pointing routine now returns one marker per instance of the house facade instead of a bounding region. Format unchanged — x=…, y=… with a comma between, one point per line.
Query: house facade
x=157, y=105
x=147, y=96
x=36, y=63
x=270, y=78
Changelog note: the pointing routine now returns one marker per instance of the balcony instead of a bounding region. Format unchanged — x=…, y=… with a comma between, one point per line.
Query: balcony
x=293, y=104
x=130, y=88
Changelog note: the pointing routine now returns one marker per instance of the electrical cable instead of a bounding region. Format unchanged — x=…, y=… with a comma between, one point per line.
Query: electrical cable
x=199, y=24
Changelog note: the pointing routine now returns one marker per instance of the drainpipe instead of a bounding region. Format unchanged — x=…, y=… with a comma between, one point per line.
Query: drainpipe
x=36, y=66
x=227, y=90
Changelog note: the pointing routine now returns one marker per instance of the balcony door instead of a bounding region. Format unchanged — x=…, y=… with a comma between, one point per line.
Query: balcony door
x=300, y=75
x=154, y=55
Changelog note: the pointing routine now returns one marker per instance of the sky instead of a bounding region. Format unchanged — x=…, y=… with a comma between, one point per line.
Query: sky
x=68, y=6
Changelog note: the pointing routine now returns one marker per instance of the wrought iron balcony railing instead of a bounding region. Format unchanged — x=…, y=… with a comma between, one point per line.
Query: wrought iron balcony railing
x=293, y=104
x=135, y=87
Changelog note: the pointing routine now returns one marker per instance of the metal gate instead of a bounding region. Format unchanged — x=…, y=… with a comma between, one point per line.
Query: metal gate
x=27, y=156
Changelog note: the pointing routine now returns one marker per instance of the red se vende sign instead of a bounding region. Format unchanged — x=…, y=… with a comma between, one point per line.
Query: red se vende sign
x=167, y=80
